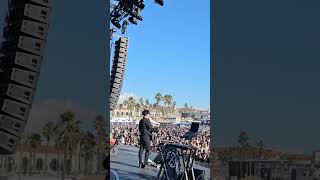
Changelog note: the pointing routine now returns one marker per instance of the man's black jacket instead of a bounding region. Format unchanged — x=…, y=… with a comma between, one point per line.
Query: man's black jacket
x=146, y=129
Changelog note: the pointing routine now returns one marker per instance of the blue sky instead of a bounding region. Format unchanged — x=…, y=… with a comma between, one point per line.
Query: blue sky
x=169, y=52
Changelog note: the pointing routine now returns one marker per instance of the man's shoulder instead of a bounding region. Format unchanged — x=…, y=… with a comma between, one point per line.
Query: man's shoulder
x=144, y=119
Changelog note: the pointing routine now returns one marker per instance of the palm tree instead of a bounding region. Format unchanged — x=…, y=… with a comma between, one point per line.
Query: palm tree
x=260, y=146
x=173, y=105
x=185, y=105
x=147, y=102
x=23, y=140
x=170, y=103
x=68, y=132
x=131, y=105
x=81, y=150
x=243, y=141
x=88, y=142
x=34, y=141
x=60, y=144
x=47, y=133
x=158, y=98
x=81, y=136
x=30, y=164
x=100, y=131
x=167, y=101
x=141, y=102
x=125, y=103
x=57, y=143
x=137, y=107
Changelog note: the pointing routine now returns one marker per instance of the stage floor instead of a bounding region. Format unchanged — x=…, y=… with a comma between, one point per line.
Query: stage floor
x=125, y=165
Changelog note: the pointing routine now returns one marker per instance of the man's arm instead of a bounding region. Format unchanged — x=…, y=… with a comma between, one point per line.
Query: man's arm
x=150, y=127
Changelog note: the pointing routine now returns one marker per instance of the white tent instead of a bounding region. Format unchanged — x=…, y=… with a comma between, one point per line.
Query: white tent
x=121, y=120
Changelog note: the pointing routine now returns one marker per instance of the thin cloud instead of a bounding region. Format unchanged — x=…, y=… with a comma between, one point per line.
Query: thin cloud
x=126, y=95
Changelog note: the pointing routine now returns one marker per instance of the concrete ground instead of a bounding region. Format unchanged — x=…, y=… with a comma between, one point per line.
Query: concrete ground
x=125, y=164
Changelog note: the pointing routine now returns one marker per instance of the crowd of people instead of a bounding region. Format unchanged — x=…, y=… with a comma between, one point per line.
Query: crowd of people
x=129, y=135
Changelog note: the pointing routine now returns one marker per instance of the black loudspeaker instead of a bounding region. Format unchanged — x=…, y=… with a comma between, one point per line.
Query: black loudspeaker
x=21, y=55
x=118, y=69
x=193, y=131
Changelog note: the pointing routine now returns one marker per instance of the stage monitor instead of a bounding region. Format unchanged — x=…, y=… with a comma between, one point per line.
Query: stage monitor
x=193, y=131
x=194, y=127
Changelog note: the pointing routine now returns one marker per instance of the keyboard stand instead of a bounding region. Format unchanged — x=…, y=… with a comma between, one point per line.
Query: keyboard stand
x=178, y=162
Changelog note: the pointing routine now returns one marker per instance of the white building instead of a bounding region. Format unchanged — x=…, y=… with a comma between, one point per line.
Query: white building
x=33, y=162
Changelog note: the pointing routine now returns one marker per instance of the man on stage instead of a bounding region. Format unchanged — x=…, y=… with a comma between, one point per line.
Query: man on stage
x=145, y=129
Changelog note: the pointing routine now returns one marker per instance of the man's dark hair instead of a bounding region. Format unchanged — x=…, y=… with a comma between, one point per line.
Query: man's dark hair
x=145, y=112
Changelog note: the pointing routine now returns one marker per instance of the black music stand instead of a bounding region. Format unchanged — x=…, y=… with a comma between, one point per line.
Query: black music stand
x=178, y=159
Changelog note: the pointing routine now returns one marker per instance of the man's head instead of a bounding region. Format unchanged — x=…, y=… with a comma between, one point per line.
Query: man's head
x=146, y=114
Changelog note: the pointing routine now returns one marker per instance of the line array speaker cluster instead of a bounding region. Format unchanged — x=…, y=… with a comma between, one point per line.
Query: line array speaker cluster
x=117, y=70
x=21, y=55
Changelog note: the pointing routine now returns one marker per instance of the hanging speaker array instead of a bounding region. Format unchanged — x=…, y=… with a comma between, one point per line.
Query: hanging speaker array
x=118, y=70
x=21, y=55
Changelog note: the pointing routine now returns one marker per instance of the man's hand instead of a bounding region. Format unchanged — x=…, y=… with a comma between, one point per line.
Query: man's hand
x=150, y=127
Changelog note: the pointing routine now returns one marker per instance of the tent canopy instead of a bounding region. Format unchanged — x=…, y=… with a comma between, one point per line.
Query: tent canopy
x=121, y=120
